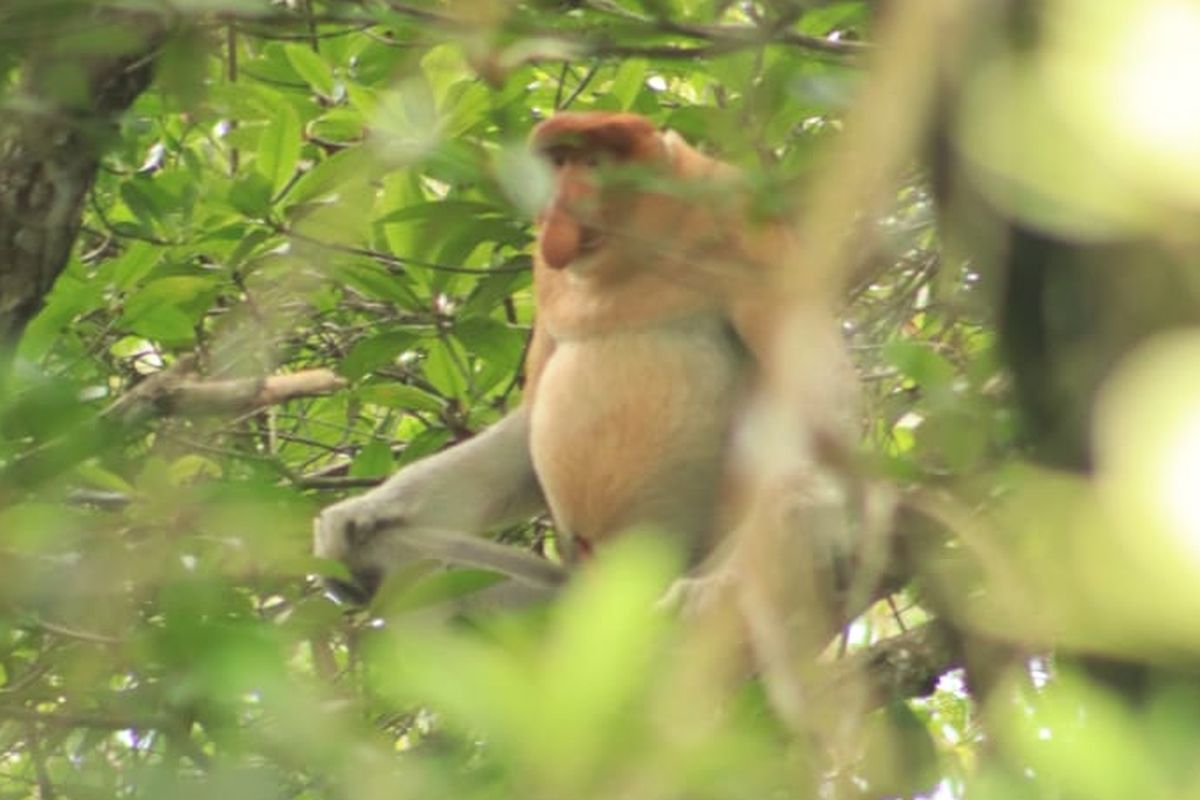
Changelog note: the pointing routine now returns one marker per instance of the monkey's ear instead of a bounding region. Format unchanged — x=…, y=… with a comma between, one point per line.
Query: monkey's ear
x=688, y=162
x=671, y=141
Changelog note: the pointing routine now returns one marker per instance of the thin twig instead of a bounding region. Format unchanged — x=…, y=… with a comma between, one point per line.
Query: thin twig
x=397, y=261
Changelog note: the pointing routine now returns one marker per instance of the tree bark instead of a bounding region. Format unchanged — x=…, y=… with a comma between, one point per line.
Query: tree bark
x=53, y=129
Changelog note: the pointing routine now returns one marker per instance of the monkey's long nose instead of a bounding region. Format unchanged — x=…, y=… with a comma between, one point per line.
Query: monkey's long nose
x=561, y=237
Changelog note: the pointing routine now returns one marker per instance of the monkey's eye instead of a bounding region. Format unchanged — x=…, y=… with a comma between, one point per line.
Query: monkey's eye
x=592, y=160
x=557, y=156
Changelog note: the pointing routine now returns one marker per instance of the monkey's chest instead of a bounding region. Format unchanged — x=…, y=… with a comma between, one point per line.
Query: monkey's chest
x=632, y=429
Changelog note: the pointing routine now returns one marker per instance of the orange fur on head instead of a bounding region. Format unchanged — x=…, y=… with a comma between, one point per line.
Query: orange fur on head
x=627, y=137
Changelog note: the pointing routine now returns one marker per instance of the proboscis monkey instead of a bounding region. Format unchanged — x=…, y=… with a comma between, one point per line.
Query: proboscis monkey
x=656, y=303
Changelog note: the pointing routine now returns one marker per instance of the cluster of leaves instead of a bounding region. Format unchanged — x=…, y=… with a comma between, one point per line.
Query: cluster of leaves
x=345, y=185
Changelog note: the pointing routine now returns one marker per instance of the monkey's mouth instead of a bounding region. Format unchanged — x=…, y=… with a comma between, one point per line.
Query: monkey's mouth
x=590, y=242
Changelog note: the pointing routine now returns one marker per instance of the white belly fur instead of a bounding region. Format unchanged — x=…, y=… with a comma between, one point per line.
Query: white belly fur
x=632, y=428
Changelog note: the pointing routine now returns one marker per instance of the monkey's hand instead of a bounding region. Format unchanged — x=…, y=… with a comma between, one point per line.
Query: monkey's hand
x=349, y=532
x=695, y=596
x=434, y=508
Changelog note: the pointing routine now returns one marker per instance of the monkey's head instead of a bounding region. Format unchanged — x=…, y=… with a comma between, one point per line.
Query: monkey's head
x=584, y=151
x=619, y=184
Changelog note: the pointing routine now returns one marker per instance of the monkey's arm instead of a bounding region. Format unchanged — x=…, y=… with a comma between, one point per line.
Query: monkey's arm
x=434, y=507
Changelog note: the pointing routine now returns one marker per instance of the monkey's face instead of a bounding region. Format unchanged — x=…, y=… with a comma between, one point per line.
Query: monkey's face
x=572, y=226
x=599, y=162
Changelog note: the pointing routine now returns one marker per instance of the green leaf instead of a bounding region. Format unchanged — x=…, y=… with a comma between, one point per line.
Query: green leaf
x=466, y=105
x=279, y=148
x=492, y=290
x=251, y=194
x=402, y=397
x=376, y=351
x=441, y=209
x=185, y=291
x=823, y=20
x=373, y=461
x=477, y=684
x=900, y=758
x=181, y=66
x=444, y=67
x=145, y=205
x=955, y=440
x=245, y=102
x=345, y=222
x=191, y=467
x=921, y=363
x=376, y=282
x=315, y=614
x=169, y=308
x=442, y=366
x=93, y=474
x=250, y=245
x=456, y=161
x=491, y=340
x=43, y=410
x=311, y=67
x=525, y=179
x=330, y=175
x=138, y=260
x=163, y=323
x=466, y=239
x=628, y=82
x=596, y=672
x=38, y=527
x=427, y=442
x=399, y=190
x=408, y=126
x=69, y=298
x=340, y=125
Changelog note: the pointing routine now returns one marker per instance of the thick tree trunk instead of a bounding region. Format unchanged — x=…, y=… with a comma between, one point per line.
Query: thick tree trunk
x=53, y=130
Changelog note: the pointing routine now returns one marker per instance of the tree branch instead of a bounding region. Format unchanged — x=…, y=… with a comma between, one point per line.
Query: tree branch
x=719, y=38
x=174, y=391
x=177, y=392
